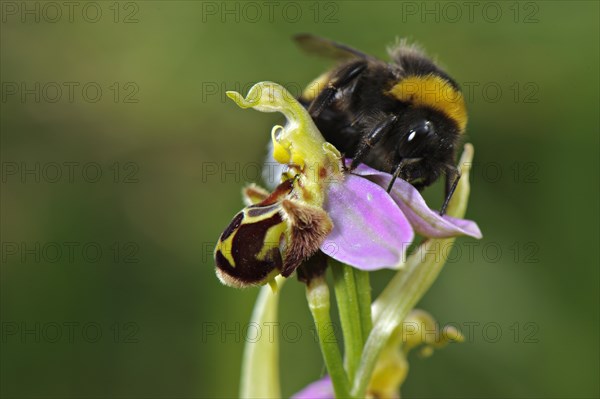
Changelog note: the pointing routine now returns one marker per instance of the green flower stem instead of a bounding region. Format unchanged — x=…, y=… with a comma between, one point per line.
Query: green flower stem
x=363, y=291
x=410, y=284
x=317, y=294
x=347, y=301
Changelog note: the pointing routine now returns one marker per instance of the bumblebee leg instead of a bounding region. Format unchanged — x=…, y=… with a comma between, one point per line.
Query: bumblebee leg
x=343, y=78
x=452, y=178
x=372, y=138
x=404, y=162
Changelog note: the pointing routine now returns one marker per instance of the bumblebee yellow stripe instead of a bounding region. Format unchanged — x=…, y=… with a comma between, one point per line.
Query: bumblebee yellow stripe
x=435, y=92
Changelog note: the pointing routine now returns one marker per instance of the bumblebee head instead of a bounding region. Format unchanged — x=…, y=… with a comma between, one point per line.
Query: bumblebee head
x=423, y=131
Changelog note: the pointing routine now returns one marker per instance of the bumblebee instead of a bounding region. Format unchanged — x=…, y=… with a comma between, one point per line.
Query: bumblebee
x=405, y=117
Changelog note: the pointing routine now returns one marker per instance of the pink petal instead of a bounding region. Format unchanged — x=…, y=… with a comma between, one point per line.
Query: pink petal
x=320, y=389
x=424, y=220
x=370, y=231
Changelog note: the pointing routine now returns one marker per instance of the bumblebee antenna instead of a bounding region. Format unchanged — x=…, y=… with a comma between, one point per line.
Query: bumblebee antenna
x=404, y=162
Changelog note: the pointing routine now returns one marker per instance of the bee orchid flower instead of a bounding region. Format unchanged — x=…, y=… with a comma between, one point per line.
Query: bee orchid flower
x=318, y=205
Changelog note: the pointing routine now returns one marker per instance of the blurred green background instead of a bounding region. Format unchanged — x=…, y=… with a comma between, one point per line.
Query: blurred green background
x=122, y=161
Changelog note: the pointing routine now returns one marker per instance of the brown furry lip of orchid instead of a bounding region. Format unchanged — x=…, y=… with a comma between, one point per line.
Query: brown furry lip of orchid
x=318, y=206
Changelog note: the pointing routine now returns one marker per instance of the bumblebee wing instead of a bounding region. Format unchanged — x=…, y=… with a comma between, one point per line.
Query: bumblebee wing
x=320, y=46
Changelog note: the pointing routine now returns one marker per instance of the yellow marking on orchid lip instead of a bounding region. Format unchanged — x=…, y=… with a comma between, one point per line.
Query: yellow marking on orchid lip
x=272, y=239
x=435, y=92
x=225, y=248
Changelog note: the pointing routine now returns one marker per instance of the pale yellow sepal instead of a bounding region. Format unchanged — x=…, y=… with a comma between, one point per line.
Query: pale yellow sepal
x=418, y=330
x=260, y=364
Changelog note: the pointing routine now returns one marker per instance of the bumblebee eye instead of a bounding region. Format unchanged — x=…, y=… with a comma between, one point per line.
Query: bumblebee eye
x=422, y=129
